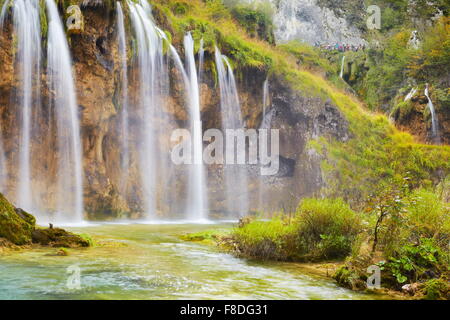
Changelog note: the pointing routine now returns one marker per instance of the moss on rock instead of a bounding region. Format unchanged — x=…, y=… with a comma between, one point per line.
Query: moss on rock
x=16, y=225
x=19, y=228
x=57, y=237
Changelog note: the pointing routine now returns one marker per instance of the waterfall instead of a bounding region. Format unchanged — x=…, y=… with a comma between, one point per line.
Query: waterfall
x=410, y=94
x=265, y=96
x=235, y=175
x=3, y=168
x=197, y=186
x=3, y=14
x=124, y=121
x=201, y=62
x=265, y=124
x=28, y=34
x=151, y=67
x=434, y=118
x=342, y=67
x=63, y=101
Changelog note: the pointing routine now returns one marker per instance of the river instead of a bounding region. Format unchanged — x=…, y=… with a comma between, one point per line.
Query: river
x=150, y=261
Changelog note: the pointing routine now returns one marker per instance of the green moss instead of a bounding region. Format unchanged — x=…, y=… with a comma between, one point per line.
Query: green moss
x=15, y=225
x=208, y=236
x=437, y=289
x=57, y=237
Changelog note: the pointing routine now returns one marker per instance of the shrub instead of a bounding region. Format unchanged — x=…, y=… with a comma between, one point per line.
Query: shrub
x=321, y=229
x=266, y=240
x=327, y=228
x=427, y=216
x=437, y=289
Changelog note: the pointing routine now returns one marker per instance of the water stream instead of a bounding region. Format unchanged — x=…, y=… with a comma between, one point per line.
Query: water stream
x=28, y=63
x=197, y=183
x=434, y=118
x=235, y=176
x=124, y=117
x=64, y=103
x=151, y=262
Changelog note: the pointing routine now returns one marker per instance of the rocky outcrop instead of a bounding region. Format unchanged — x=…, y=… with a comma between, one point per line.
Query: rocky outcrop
x=18, y=227
x=15, y=224
x=312, y=21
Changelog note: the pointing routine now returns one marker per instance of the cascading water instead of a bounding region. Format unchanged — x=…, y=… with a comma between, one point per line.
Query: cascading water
x=434, y=118
x=124, y=118
x=265, y=125
x=265, y=96
x=3, y=14
x=63, y=101
x=28, y=33
x=201, y=62
x=235, y=175
x=411, y=94
x=197, y=187
x=3, y=167
x=342, y=68
x=151, y=67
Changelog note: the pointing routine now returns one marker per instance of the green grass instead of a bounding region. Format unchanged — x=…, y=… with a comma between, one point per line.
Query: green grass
x=320, y=230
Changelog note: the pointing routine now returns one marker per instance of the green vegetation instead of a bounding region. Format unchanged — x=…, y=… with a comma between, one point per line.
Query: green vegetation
x=207, y=237
x=407, y=238
x=404, y=231
x=19, y=228
x=320, y=230
x=15, y=224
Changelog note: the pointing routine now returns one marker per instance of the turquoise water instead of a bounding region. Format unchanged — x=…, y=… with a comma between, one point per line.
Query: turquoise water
x=151, y=262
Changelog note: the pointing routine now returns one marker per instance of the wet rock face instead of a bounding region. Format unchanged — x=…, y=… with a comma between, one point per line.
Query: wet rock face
x=96, y=70
x=298, y=119
x=314, y=21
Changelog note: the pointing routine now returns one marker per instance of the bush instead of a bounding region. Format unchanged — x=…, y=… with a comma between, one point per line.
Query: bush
x=321, y=229
x=327, y=228
x=437, y=289
x=427, y=216
x=256, y=21
x=266, y=240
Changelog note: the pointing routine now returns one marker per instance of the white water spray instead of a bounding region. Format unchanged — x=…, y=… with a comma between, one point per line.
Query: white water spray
x=28, y=32
x=151, y=66
x=235, y=175
x=63, y=101
x=410, y=94
x=3, y=14
x=342, y=67
x=3, y=167
x=124, y=118
x=197, y=186
x=434, y=118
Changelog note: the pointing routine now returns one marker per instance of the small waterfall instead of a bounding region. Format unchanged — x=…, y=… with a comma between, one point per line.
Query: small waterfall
x=150, y=62
x=28, y=32
x=235, y=175
x=197, y=186
x=342, y=68
x=201, y=62
x=265, y=96
x=3, y=167
x=124, y=120
x=3, y=14
x=434, y=118
x=61, y=84
x=410, y=94
x=265, y=124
